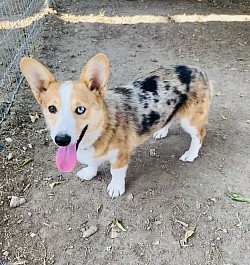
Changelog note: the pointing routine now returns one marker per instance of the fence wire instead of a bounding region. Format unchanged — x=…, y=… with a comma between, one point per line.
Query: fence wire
x=20, y=26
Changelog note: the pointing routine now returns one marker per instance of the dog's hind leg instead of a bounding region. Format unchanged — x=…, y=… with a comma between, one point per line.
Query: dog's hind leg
x=162, y=133
x=197, y=132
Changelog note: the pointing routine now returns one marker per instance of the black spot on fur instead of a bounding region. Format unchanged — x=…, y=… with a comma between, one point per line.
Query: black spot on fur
x=147, y=89
x=127, y=106
x=143, y=97
x=150, y=84
x=176, y=91
x=185, y=75
x=182, y=100
x=137, y=83
x=149, y=120
x=167, y=86
x=168, y=102
x=145, y=105
x=123, y=91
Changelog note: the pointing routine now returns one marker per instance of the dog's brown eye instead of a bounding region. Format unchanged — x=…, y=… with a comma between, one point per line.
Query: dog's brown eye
x=80, y=110
x=52, y=109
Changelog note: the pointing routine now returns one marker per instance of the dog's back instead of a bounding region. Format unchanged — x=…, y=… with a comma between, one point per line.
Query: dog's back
x=150, y=103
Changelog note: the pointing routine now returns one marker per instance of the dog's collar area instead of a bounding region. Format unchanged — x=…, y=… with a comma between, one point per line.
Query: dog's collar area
x=81, y=136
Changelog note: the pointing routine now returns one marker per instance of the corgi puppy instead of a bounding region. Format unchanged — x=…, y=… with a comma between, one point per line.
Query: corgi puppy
x=91, y=124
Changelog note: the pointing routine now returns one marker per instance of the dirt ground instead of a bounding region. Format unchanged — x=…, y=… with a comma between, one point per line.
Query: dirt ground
x=163, y=194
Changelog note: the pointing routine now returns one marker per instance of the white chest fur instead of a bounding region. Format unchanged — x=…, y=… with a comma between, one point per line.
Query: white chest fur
x=87, y=156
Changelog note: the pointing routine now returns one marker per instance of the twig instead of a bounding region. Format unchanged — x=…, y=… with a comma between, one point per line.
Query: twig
x=220, y=255
x=45, y=253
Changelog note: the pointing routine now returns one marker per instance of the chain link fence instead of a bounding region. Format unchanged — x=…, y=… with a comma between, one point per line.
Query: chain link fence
x=20, y=25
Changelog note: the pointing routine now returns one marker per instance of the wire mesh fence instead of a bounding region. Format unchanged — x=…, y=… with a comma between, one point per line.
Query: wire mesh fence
x=20, y=26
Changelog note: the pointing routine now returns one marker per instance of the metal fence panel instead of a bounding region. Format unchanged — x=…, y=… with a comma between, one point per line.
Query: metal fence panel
x=20, y=25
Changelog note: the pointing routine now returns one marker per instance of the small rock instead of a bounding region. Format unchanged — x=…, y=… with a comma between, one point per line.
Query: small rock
x=15, y=201
x=70, y=252
x=130, y=197
x=89, y=232
x=156, y=243
x=5, y=253
x=108, y=248
x=10, y=156
x=152, y=152
x=210, y=218
x=32, y=235
x=8, y=140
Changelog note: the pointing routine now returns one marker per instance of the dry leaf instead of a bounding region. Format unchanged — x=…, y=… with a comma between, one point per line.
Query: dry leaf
x=113, y=232
x=25, y=162
x=120, y=225
x=33, y=117
x=188, y=233
x=223, y=117
x=182, y=223
x=224, y=230
x=237, y=197
x=53, y=184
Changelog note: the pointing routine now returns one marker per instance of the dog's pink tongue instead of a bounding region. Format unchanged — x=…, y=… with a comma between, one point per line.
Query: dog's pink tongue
x=66, y=158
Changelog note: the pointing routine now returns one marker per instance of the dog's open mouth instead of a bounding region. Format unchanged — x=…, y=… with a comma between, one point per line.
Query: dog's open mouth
x=66, y=157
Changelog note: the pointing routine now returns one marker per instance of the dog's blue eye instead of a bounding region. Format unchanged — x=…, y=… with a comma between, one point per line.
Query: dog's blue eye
x=52, y=109
x=80, y=110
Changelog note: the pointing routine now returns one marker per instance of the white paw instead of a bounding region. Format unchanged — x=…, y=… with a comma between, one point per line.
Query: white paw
x=87, y=173
x=188, y=156
x=116, y=187
x=162, y=133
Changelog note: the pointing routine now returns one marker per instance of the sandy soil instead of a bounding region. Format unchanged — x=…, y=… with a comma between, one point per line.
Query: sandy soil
x=163, y=194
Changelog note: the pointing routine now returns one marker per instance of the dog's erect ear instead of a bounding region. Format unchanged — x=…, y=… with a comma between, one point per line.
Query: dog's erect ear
x=96, y=73
x=37, y=76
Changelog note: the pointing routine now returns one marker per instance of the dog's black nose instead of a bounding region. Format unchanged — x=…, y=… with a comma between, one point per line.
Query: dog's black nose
x=63, y=139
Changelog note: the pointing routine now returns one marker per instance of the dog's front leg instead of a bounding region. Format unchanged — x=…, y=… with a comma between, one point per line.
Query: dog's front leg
x=86, y=156
x=88, y=172
x=118, y=171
